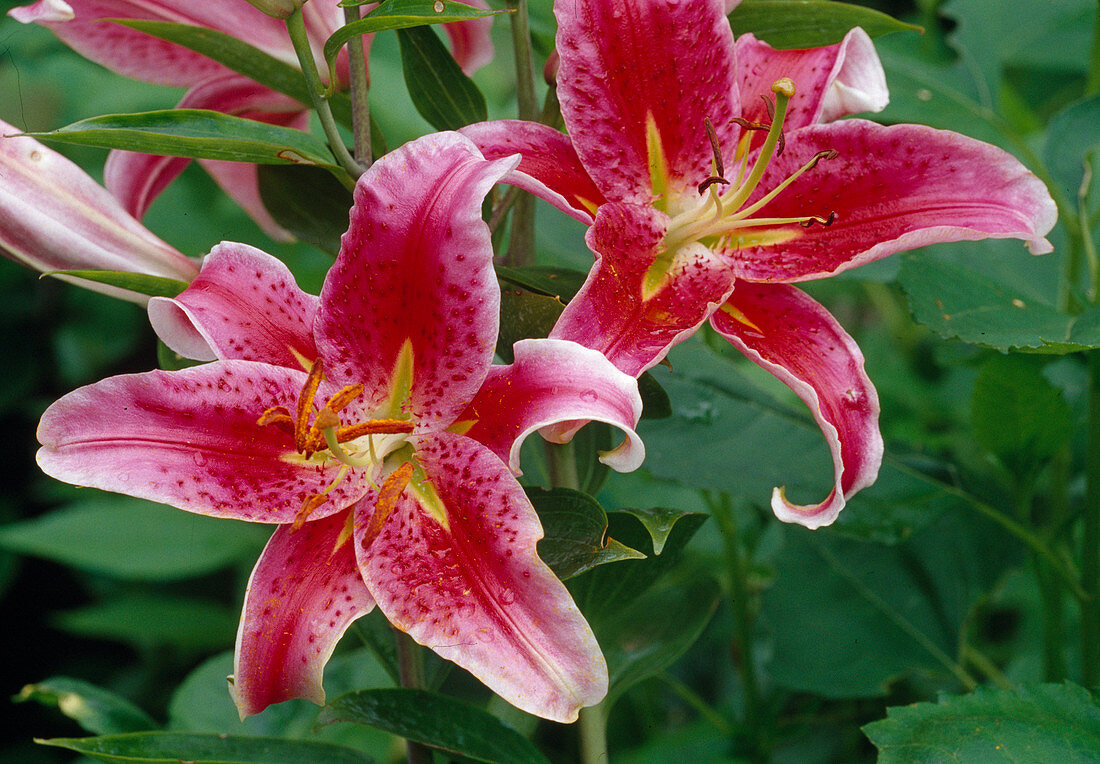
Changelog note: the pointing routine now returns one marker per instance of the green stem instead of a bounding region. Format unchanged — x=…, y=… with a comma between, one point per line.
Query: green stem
x=1090, y=539
x=411, y=667
x=987, y=667
x=296, y=26
x=692, y=698
x=359, y=86
x=521, y=240
x=1050, y=593
x=1092, y=82
x=562, y=463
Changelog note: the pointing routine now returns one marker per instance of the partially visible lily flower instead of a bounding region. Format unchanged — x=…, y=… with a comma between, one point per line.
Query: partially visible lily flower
x=370, y=426
x=136, y=179
x=56, y=218
x=713, y=179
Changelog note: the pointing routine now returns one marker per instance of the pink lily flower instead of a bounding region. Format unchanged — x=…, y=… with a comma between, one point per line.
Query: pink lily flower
x=370, y=426
x=137, y=178
x=56, y=218
x=713, y=180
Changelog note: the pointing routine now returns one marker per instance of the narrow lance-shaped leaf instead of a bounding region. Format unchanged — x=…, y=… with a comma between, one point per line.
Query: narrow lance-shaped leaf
x=809, y=23
x=153, y=286
x=171, y=747
x=442, y=94
x=197, y=134
x=97, y=710
x=395, y=14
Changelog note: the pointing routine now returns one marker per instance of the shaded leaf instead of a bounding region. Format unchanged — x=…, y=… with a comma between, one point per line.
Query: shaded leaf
x=809, y=23
x=524, y=315
x=575, y=527
x=659, y=521
x=1046, y=722
x=1071, y=135
x=443, y=95
x=148, y=620
x=174, y=747
x=142, y=283
x=434, y=720
x=307, y=201
x=97, y=710
x=562, y=283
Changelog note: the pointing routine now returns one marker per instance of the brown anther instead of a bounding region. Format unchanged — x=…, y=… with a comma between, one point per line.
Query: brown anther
x=311, y=503
x=719, y=168
x=826, y=222
x=769, y=106
x=373, y=427
x=392, y=488
x=278, y=416
x=826, y=154
x=305, y=403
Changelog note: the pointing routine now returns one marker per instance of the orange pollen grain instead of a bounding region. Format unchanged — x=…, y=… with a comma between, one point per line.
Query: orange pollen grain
x=391, y=491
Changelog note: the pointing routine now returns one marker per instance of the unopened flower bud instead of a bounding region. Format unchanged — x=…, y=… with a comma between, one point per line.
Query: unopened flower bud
x=280, y=9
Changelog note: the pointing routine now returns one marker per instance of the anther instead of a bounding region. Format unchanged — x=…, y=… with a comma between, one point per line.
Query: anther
x=826, y=222
x=716, y=150
x=311, y=503
x=392, y=488
x=278, y=416
x=305, y=403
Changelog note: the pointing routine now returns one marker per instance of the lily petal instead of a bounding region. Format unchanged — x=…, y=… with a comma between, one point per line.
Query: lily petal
x=243, y=305
x=783, y=330
x=555, y=386
x=190, y=438
x=474, y=589
x=623, y=67
x=611, y=314
x=416, y=269
x=471, y=45
x=830, y=82
x=549, y=166
x=57, y=218
x=892, y=189
x=303, y=594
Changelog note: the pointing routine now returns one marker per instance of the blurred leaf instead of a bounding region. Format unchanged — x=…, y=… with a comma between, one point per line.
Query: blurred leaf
x=1071, y=135
x=575, y=527
x=878, y=612
x=398, y=14
x=434, y=720
x=653, y=631
x=442, y=94
x=1018, y=415
x=1046, y=722
x=196, y=133
x=808, y=23
x=96, y=710
x=170, y=360
x=153, y=286
x=307, y=201
x=562, y=283
x=146, y=620
x=175, y=747
x=134, y=539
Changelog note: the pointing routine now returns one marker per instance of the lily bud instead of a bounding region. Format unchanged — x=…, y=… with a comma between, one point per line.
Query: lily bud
x=280, y=9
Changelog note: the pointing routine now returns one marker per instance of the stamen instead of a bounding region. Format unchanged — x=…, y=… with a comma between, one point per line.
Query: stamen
x=374, y=427
x=311, y=503
x=392, y=488
x=826, y=154
x=719, y=169
x=784, y=90
x=826, y=222
x=340, y=401
x=278, y=416
x=305, y=403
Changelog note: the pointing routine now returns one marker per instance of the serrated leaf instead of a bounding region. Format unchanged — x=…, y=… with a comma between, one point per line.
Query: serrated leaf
x=98, y=711
x=399, y=14
x=436, y=721
x=148, y=620
x=142, y=283
x=1046, y=722
x=575, y=532
x=443, y=95
x=308, y=202
x=809, y=23
x=198, y=134
x=174, y=747
x=134, y=539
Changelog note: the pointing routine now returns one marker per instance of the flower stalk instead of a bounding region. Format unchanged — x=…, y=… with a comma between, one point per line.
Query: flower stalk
x=521, y=240
x=359, y=92
x=410, y=664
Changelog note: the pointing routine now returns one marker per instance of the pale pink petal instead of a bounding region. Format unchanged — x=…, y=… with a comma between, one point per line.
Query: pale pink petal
x=304, y=592
x=475, y=591
x=190, y=439
x=610, y=313
x=555, y=386
x=892, y=189
x=549, y=167
x=57, y=218
x=624, y=64
x=729, y=5
x=244, y=305
x=416, y=267
x=784, y=331
x=471, y=45
x=142, y=57
x=137, y=179
x=830, y=82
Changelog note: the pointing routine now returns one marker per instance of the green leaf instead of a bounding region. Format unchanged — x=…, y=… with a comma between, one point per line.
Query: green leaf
x=524, y=315
x=98, y=711
x=443, y=95
x=1018, y=415
x=147, y=620
x=655, y=401
x=436, y=721
x=658, y=521
x=560, y=283
x=307, y=201
x=809, y=23
x=170, y=360
x=590, y=441
x=153, y=286
x=398, y=14
x=1045, y=722
x=1071, y=135
x=575, y=527
x=134, y=539
x=174, y=747
x=198, y=134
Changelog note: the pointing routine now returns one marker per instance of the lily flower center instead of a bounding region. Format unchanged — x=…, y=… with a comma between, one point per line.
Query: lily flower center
x=720, y=217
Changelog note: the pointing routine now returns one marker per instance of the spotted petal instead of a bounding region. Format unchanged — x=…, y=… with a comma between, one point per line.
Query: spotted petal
x=892, y=189
x=555, y=386
x=303, y=594
x=190, y=439
x=244, y=305
x=416, y=267
x=473, y=589
x=784, y=331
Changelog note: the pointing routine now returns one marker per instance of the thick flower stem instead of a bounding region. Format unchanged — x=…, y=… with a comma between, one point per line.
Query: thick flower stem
x=360, y=106
x=296, y=26
x=411, y=666
x=521, y=240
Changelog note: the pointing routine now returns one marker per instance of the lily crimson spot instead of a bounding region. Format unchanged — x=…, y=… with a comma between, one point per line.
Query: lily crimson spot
x=371, y=427
x=706, y=201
